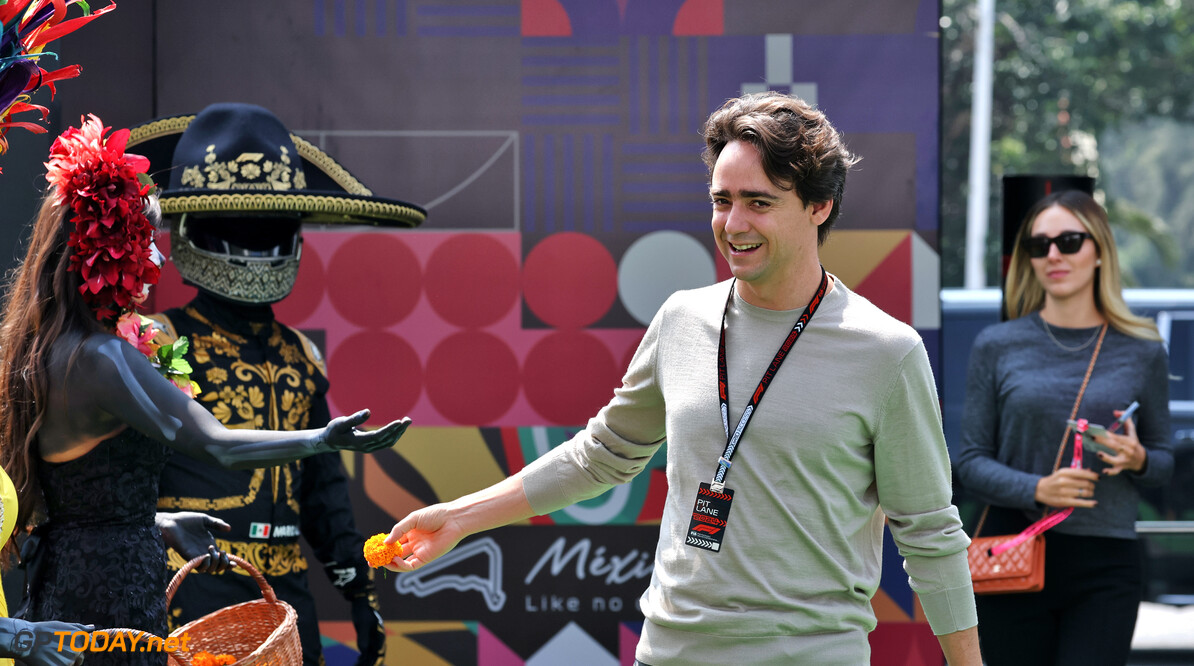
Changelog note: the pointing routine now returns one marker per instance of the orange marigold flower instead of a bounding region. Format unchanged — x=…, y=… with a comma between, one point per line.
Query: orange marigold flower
x=209, y=659
x=379, y=553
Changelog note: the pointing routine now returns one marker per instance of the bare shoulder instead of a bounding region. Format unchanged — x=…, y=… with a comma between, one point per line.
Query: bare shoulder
x=74, y=420
x=93, y=358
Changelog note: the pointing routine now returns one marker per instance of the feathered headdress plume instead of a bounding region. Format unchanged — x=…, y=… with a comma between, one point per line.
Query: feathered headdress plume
x=26, y=27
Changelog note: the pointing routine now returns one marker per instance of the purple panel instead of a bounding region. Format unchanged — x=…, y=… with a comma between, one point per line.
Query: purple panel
x=318, y=10
x=571, y=119
x=548, y=178
x=576, y=80
x=400, y=17
x=593, y=17
x=633, y=85
x=570, y=61
x=530, y=180
x=587, y=158
x=469, y=31
x=608, y=203
x=664, y=167
x=732, y=61
x=881, y=190
x=871, y=83
x=816, y=17
x=656, y=17
x=571, y=100
x=603, y=17
x=653, y=85
x=673, y=87
x=460, y=11
x=569, y=177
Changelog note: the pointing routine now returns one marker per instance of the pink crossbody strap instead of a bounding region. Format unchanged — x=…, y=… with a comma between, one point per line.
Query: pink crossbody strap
x=1053, y=518
x=1050, y=519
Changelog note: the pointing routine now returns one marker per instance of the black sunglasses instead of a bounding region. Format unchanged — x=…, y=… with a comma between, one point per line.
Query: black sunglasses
x=1067, y=243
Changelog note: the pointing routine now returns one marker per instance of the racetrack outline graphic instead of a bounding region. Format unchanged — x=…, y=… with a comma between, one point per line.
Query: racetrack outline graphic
x=424, y=582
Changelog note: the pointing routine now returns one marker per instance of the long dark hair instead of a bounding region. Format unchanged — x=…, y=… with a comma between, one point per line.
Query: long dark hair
x=42, y=305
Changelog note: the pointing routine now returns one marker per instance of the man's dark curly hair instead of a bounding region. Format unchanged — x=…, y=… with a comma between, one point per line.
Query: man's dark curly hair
x=800, y=149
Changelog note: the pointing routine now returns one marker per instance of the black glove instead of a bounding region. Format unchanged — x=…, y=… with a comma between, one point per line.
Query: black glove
x=341, y=433
x=189, y=533
x=355, y=582
x=36, y=644
x=371, y=631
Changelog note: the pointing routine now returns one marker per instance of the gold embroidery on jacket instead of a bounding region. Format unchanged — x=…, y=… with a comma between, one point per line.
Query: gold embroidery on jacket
x=218, y=503
x=270, y=559
x=252, y=396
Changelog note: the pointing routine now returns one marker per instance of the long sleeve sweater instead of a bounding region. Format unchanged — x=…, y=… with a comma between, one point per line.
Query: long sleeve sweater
x=1020, y=389
x=849, y=432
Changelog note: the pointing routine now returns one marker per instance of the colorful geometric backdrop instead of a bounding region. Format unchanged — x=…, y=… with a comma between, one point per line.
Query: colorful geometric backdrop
x=555, y=144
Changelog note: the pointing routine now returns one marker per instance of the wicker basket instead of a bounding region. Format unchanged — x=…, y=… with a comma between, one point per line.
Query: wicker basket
x=257, y=633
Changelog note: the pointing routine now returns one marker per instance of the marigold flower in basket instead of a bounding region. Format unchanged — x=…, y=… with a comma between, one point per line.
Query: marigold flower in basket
x=378, y=553
x=209, y=659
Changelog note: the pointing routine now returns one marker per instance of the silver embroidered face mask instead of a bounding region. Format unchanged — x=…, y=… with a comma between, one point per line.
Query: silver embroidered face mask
x=245, y=261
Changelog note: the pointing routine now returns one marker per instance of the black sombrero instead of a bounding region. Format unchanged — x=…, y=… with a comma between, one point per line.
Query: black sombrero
x=239, y=158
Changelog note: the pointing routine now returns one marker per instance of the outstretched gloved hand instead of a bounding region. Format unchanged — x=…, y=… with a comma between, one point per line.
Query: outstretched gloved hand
x=342, y=434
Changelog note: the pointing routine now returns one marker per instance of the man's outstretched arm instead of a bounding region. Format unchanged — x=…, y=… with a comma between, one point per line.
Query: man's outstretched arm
x=961, y=647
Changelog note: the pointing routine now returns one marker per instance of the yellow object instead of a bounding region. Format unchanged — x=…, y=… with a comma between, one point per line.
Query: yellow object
x=8, y=520
x=379, y=553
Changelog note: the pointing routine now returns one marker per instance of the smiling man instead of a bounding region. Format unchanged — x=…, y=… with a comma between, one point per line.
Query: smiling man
x=770, y=542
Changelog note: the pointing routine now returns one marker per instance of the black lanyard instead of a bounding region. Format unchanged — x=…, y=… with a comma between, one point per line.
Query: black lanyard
x=723, y=392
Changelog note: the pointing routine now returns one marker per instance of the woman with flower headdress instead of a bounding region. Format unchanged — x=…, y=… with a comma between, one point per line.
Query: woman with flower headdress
x=87, y=420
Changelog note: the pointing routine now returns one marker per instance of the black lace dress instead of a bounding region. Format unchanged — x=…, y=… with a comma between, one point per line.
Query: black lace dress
x=100, y=559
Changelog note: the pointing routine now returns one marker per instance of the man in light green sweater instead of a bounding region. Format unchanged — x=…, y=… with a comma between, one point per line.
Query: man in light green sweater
x=771, y=537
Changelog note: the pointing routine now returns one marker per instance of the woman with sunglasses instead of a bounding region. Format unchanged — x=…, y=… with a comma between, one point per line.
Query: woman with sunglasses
x=1064, y=299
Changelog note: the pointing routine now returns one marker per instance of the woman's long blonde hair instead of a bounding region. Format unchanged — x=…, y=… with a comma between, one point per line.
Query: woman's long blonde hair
x=1025, y=293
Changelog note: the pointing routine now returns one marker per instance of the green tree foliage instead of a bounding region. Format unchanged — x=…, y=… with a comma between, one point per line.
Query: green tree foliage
x=1100, y=88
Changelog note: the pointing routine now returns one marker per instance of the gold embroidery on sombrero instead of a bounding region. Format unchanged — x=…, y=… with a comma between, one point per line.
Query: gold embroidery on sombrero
x=339, y=208
x=247, y=171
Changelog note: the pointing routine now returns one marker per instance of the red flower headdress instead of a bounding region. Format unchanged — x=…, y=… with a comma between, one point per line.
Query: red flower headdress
x=105, y=189
x=25, y=29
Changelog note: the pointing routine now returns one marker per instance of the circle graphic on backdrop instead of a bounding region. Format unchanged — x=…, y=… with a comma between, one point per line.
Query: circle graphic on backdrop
x=472, y=378
x=374, y=280
x=568, y=376
x=308, y=289
x=569, y=280
x=369, y=359
x=471, y=280
x=658, y=264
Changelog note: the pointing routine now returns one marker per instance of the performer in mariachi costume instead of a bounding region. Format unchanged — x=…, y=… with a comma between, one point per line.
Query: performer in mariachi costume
x=240, y=187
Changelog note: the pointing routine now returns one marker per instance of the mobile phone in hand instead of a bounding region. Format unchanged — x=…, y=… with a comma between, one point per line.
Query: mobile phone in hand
x=1094, y=430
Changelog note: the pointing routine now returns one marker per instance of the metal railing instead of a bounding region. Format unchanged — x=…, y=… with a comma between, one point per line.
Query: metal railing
x=1165, y=527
